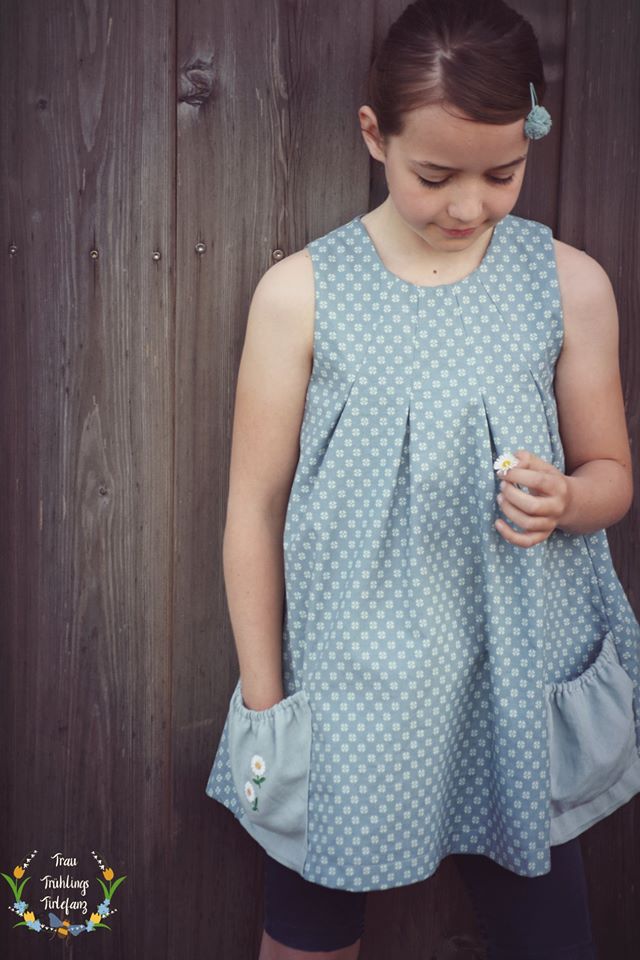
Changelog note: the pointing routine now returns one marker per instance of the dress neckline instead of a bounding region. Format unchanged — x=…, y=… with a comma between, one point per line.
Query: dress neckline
x=483, y=266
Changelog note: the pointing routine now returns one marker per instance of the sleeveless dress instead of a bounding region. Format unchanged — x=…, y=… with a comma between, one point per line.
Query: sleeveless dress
x=445, y=691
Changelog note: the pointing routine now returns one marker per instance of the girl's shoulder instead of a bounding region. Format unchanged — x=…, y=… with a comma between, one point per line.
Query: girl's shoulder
x=587, y=297
x=287, y=290
x=576, y=268
x=290, y=282
x=583, y=281
x=291, y=277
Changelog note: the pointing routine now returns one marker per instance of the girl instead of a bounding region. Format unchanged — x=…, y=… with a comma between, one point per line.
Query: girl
x=436, y=655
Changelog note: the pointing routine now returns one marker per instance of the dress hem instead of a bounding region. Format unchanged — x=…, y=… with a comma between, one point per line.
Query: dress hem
x=366, y=887
x=564, y=827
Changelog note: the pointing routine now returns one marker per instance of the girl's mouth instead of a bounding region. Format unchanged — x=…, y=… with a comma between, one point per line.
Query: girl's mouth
x=459, y=233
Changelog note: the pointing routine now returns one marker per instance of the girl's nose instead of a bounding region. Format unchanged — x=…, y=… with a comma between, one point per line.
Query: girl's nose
x=467, y=210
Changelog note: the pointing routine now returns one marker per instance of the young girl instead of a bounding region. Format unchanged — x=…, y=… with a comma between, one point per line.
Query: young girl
x=436, y=655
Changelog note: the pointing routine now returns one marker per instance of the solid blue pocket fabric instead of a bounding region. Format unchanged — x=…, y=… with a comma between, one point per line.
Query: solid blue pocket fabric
x=593, y=755
x=269, y=755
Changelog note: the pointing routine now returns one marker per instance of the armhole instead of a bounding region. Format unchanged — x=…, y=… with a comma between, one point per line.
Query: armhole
x=309, y=247
x=556, y=305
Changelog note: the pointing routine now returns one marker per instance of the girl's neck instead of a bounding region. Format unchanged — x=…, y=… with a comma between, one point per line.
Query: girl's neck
x=410, y=257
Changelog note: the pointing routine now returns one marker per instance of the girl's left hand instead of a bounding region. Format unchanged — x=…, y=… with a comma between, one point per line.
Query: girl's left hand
x=539, y=513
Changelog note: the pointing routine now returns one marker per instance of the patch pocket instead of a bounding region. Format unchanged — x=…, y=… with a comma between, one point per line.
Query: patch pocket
x=269, y=755
x=592, y=740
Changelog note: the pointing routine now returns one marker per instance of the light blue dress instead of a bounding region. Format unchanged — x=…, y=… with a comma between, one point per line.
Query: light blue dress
x=445, y=691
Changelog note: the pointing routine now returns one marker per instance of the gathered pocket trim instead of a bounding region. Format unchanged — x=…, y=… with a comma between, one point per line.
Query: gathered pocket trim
x=593, y=753
x=270, y=758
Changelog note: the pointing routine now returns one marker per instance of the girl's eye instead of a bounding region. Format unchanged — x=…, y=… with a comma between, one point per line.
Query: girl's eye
x=440, y=183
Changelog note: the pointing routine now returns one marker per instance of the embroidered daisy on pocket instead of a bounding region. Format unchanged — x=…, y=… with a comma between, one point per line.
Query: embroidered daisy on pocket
x=258, y=768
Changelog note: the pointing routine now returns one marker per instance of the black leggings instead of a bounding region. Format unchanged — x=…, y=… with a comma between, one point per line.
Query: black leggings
x=521, y=918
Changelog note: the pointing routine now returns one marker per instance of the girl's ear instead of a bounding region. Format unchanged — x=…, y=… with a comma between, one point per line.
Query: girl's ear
x=371, y=134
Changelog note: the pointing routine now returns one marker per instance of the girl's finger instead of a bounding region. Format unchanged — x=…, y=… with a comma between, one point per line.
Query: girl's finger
x=528, y=459
x=528, y=522
x=528, y=539
x=533, y=480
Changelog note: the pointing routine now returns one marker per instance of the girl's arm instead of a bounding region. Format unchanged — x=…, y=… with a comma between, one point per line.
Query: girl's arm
x=272, y=382
x=589, y=398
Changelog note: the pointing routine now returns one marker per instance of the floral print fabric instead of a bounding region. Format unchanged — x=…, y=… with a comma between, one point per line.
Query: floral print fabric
x=426, y=644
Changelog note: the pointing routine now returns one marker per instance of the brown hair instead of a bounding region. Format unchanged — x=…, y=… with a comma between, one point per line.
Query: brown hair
x=476, y=55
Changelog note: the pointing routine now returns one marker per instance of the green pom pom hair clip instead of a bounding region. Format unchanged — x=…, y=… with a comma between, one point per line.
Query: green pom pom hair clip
x=538, y=122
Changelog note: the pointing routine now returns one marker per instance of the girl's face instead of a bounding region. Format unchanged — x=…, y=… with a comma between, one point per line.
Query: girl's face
x=485, y=168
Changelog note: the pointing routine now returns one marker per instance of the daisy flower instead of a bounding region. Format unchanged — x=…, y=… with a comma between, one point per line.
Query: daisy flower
x=258, y=766
x=251, y=795
x=504, y=463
